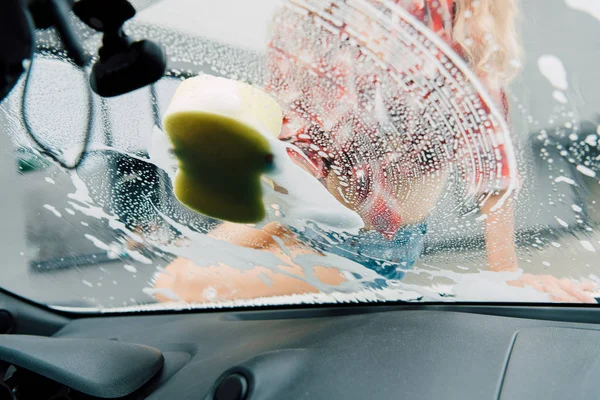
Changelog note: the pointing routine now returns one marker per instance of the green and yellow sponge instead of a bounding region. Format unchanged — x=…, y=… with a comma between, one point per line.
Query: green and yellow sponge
x=218, y=129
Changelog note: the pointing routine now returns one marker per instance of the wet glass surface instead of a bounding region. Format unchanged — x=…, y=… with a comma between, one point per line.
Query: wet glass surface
x=437, y=160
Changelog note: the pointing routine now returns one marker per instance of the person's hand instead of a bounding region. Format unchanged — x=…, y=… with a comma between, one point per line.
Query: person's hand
x=193, y=284
x=560, y=290
x=503, y=263
x=184, y=281
x=245, y=236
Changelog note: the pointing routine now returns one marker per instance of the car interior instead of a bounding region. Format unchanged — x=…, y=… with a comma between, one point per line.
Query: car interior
x=467, y=351
x=112, y=287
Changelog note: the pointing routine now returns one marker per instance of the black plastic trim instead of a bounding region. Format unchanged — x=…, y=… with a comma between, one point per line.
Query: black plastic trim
x=31, y=318
x=30, y=314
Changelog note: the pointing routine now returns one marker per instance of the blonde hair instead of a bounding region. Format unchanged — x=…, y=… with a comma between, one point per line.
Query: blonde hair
x=487, y=32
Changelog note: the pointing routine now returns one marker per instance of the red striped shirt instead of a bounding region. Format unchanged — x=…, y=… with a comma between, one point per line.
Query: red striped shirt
x=355, y=110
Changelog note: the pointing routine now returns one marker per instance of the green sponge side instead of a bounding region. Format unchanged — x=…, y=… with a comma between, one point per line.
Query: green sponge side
x=221, y=161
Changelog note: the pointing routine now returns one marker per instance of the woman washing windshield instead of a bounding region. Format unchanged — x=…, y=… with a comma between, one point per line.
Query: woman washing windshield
x=397, y=183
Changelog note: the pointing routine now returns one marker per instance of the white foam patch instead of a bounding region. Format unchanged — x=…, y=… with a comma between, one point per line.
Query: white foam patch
x=562, y=222
x=490, y=286
x=307, y=198
x=83, y=203
x=52, y=209
x=587, y=245
x=98, y=243
x=560, y=96
x=592, y=140
x=168, y=293
x=586, y=171
x=130, y=268
x=591, y=7
x=553, y=69
x=565, y=180
x=137, y=256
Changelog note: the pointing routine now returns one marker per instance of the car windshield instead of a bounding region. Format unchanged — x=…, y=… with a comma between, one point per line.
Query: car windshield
x=409, y=150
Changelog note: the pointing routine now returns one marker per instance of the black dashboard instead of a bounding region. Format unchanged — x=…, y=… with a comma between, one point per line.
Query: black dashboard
x=398, y=352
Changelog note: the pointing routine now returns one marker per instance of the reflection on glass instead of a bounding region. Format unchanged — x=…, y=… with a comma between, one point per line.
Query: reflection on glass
x=449, y=127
